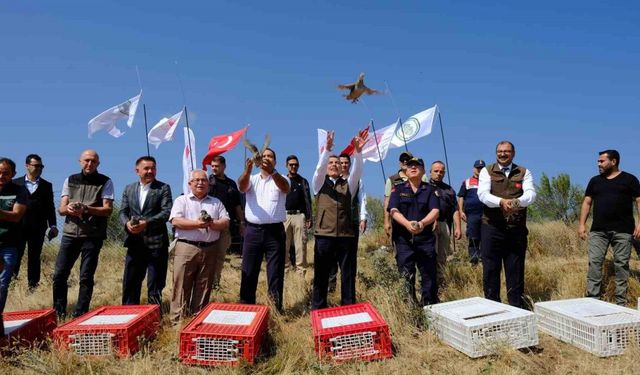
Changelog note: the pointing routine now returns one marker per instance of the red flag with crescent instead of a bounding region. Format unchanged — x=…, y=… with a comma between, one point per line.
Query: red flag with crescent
x=220, y=144
x=351, y=148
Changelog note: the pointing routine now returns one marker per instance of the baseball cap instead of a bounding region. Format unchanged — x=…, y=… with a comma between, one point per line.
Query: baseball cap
x=415, y=161
x=479, y=164
x=405, y=156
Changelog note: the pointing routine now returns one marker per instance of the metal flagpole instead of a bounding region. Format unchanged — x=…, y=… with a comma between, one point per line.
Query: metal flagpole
x=375, y=138
x=398, y=113
x=446, y=161
x=186, y=117
x=146, y=130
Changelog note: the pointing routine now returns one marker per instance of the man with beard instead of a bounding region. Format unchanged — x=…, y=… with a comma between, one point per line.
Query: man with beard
x=612, y=194
x=506, y=189
x=144, y=211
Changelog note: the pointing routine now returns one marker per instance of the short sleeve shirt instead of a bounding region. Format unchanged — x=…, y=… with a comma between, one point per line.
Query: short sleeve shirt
x=613, y=201
x=265, y=203
x=10, y=195
x=107, y=189
x=413, y=206
x=190, y=207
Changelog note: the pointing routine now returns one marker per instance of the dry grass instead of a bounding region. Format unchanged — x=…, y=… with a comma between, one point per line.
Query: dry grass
x=556, y=268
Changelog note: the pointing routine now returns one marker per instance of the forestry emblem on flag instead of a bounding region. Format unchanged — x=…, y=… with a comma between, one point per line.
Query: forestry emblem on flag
x=124, y=107
x=408, y=129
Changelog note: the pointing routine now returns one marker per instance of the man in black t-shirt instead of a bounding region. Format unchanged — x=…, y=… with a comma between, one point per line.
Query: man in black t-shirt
x=612, y=194
x=13, y=205
x=226, y=190
x=298, y=206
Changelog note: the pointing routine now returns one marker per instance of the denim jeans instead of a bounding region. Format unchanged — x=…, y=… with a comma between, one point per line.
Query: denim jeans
x=598, y=245
x=9, y=256
x=70, y=249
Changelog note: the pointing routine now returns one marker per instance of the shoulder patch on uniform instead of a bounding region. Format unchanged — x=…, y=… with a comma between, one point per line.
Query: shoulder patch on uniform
x=437, y=193
x=406, y=195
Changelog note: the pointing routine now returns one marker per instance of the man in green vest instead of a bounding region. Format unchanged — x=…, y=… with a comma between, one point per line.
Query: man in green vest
x=334, y=229
x=506, y=189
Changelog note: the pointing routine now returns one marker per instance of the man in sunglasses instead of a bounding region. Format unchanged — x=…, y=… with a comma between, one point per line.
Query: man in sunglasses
x=298, y=206
x=40, y=216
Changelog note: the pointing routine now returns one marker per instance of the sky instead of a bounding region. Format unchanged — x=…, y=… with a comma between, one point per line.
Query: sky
x=558, y=79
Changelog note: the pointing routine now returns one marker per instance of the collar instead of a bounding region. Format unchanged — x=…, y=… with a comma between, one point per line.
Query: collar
x=145, y=186
x=193, y=196
x=28, y=181
x=510, y=166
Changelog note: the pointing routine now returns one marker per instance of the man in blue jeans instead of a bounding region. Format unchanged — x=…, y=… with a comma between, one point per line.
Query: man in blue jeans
x=613, y=193
x=13, y=205
x=87, y=202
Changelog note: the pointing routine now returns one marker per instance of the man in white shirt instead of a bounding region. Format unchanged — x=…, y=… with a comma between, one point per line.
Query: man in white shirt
x=198, y=218
x=506, y=190
x=334, y=227
x=265, y=211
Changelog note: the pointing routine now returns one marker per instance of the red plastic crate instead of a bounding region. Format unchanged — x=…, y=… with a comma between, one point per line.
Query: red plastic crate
x=24, y=328
x=350, y=332
x=109, y=330
x=224, y=334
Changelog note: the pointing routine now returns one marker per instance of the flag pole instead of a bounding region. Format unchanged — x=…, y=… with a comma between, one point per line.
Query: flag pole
x=446, y=161
x=146, y=130
x=186, y=118
x=404, y=139
x=375, y=138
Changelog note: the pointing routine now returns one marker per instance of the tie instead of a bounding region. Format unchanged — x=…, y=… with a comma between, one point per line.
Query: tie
x=505, y=171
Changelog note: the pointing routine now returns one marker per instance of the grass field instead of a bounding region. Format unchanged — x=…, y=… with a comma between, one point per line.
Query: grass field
x=555, y=269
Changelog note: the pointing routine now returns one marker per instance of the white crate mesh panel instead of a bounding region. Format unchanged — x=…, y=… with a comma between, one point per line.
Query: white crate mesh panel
x=92, y=343
x=477, y=327
x=598, y=327
x=354, y=345
x=216, y=349
x=12, y=325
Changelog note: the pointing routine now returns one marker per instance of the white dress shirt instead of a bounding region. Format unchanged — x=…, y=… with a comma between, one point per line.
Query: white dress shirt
x=32, y=186
x=321, y=172
x=189, y=207
x=142, y=193
x=493, y=201
x=265, y=202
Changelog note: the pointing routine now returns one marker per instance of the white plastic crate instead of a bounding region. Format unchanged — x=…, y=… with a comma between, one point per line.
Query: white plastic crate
x=478, y=326
x=599, y=327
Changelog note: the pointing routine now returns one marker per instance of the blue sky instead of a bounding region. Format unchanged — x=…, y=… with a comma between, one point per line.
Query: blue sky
x=559, y=79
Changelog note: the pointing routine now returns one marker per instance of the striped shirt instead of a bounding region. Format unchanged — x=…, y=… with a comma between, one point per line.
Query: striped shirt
x=265, y=202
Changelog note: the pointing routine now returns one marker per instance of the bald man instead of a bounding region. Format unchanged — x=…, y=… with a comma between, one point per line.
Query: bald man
x=86, y=203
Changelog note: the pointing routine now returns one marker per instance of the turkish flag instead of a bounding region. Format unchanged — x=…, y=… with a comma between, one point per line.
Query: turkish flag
x=220, y=144
x=351, y=148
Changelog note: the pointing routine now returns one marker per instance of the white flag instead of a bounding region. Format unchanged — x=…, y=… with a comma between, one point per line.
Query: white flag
x=107, y=119
x=416, y=126
x=164, y=129
x=322, y=141
x=374, y=153
x=188, y=159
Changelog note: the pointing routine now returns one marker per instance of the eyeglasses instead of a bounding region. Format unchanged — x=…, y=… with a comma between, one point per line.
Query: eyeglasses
x=294, y=165
x=198, y=180
x=41, y=166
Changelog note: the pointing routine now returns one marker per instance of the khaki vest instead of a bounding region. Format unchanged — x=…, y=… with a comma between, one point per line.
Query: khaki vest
x=87, y=190
x=507, y=188
x=333, y=216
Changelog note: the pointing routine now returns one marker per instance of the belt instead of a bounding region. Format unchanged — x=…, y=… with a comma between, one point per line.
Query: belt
x=272, y=225
x=197, y=243
x=293, y=212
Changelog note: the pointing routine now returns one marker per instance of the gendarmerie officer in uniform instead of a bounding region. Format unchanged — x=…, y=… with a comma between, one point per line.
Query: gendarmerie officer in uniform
x=471, y=211
x=414, y=208
x=393, y=180
x=506, y=189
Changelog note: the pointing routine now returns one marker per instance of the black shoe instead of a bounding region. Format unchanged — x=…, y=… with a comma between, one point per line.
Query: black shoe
x=1, y=326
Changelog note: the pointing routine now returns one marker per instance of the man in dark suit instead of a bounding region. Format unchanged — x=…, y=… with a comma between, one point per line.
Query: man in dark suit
x=41, y=214
x=145, y=209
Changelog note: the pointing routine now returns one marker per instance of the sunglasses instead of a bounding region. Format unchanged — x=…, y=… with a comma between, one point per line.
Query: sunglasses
x=294, y=164
x=41, y=166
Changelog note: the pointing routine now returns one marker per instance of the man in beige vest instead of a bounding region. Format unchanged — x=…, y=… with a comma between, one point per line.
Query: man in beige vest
x=334, y=231
x=506, y=189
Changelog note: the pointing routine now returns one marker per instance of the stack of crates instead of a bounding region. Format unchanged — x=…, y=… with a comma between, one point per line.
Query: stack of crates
x=24, y=328
x=350, y=332
x=478, y=326
x=599, y=327
x=109, y=330
x=224, y=334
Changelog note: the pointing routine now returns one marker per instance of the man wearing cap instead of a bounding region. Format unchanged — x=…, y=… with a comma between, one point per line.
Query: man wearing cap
x=446, y=217
x=470, y=210
x=506, y=189
x=414, y=208
x=392, y=181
